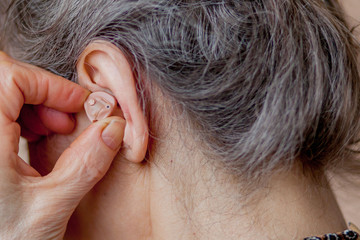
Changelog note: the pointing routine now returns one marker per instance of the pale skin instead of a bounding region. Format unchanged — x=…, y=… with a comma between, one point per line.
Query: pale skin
x=177, y=193
x=351, y=9
x=34, y=206
x=348, y=193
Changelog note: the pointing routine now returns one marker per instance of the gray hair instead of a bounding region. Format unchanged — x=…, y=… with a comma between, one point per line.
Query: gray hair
x=266, y=83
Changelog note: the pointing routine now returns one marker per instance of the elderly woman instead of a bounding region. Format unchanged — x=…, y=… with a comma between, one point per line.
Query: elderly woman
x=234, y=110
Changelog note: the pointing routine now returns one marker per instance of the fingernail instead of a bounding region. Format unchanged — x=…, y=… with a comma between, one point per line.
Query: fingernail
x=112, y=135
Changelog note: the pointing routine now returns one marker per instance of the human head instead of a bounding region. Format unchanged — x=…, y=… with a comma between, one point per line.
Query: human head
x=266, y=84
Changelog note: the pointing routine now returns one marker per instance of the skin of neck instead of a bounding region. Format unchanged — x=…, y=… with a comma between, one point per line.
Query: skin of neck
x=179, y=194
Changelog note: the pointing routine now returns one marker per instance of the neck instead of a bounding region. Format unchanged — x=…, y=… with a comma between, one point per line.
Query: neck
x=290, y=207
x=199, y=201
x=145, y=204
x=181, y=196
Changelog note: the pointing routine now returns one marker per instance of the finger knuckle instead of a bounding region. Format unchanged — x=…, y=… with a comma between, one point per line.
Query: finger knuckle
x=7, y=69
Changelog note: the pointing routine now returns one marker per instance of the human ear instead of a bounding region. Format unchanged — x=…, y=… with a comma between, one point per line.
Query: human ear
x=103, y=67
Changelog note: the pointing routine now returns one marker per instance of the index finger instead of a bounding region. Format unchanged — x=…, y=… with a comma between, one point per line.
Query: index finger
x=22, y=83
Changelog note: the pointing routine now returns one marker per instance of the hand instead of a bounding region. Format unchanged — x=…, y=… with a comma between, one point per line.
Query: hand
x=33, y=206
x=37, y=121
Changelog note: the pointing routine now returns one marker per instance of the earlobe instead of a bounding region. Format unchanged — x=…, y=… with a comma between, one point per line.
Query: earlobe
x=103, y=67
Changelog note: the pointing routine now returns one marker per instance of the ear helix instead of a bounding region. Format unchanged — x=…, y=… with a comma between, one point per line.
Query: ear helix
x=99, y=105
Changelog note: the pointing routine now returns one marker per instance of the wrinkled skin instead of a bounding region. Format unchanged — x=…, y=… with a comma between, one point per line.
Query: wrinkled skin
x=36, y=103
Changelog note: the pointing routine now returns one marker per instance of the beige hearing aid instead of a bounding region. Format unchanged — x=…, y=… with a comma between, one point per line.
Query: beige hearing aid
x=99, y=105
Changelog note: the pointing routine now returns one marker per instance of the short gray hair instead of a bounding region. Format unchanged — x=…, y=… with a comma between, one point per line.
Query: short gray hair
x=265, y=83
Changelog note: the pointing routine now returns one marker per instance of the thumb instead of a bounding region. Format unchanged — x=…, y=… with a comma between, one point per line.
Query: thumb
x=86, y=161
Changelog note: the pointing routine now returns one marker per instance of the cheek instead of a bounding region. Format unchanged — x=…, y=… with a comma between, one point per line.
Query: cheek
x=44, y=154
